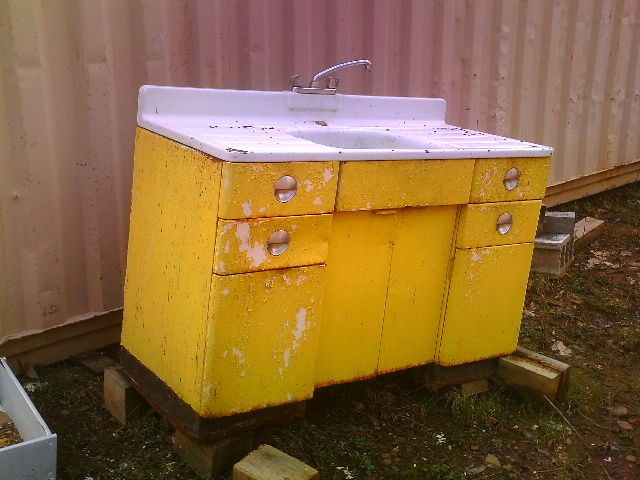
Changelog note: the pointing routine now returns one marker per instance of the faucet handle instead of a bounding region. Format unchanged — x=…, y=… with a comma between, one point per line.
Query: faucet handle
x=296, y=81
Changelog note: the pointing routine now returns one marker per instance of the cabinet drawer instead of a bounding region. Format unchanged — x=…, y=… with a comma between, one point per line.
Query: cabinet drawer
x=251, y=190
x=379, y=185
x=270, y=243
x=498, y=223
x=509, y=179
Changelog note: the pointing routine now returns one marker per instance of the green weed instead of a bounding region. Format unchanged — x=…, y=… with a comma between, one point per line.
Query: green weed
x=442, y=471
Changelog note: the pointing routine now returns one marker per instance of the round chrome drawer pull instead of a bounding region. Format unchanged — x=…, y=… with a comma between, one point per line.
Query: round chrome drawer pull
x=511, y=178
x=278, y=242
x=285, y=188
x=504, y=223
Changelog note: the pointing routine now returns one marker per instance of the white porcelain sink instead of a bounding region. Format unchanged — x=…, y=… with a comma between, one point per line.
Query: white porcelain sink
x=252, y=126
x=360, y=138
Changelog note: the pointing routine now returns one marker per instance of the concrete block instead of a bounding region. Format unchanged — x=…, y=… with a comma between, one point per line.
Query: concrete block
x=559, y=222
x=210, y=459
x=268, y=463
x=552, y=253
x=586, y=231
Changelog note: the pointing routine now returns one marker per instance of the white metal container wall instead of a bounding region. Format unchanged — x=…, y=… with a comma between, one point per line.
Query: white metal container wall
x=561, y=73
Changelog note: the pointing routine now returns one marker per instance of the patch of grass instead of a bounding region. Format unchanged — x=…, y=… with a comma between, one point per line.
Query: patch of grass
x=537, y=283
x=365, y=465
x=442, y=471
x=577, y=284
x=487, y=409
x=322, y=454
x=358, y=441
x=496, y=442
x=631, y=216
x=531, y=334
x=550, y=430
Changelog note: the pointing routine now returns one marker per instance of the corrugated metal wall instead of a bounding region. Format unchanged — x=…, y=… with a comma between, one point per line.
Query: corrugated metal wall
x=561, y=73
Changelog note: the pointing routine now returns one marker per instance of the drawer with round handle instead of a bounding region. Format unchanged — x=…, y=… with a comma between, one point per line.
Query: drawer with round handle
x=253, y=190
x=509, y=179
x=500, y=223
x=270, y=243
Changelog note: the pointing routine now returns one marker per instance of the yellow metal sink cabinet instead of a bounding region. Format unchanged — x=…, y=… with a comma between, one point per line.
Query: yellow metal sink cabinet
x=251, y=283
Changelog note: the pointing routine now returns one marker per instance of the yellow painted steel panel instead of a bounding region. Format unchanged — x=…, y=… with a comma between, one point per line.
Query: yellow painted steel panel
x=357, y=274
x=173, y=225
x=243, y=245
x=403, y=183
x=248, y=189
x=478, y=225
x=262, y=339
x=422, y=243
x=484, y=305
x=489, y=179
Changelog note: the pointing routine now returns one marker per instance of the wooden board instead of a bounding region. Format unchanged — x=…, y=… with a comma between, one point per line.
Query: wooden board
x=210, y=459
x=58, y=343
x=536, y=373
x=591, y=184
x=268, y=463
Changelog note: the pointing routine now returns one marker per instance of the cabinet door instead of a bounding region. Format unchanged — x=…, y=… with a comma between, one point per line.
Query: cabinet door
x=357, y=274
x=484, y=305
x=262, y=339
x=422, y=242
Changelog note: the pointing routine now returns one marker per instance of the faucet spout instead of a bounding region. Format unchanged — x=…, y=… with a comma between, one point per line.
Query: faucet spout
x=315, y=82
x=332, y=83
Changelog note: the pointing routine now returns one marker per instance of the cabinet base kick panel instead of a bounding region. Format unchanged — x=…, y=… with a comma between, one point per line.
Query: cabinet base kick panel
x=179, y=413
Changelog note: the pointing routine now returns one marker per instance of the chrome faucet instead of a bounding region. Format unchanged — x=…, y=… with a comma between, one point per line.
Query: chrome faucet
x=332, y=82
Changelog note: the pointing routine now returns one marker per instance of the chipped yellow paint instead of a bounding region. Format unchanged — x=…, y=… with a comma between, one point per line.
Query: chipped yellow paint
x=241, y=245
x=478, y=223
x=403, y=183
x=247, y=189
x=353, y=310
x=421, y=248
x=489, y=174
x=484, y=305
x=173, y=226
x=262, y=339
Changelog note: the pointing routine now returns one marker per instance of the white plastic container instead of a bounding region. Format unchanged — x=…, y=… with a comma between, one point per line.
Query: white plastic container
x=35, y=457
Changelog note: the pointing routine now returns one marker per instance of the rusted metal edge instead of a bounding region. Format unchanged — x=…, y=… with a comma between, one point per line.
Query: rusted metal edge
x=184, y=418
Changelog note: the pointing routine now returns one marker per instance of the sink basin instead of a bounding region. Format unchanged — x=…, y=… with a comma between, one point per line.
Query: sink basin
x=358, y=138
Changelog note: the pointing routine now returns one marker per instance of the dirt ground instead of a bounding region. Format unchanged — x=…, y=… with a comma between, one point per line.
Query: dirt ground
x=391, y=427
